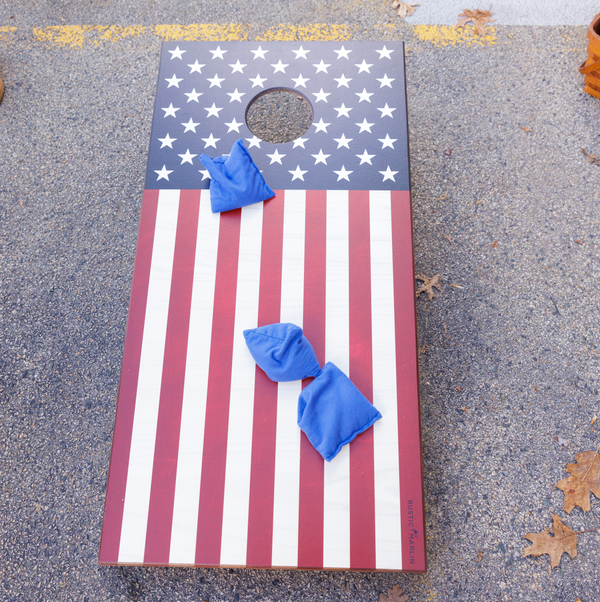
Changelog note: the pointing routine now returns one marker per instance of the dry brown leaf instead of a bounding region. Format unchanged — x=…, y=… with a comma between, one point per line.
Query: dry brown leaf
x=428, y=285
x=590, y=157
x=585, y=478
x=478, y=17
x=580, y=242
x=405, y=9
x=563, y=540
x=394, y=595
x=594, y=420
x=526, y=129
x=480, y=556
x=495, y=244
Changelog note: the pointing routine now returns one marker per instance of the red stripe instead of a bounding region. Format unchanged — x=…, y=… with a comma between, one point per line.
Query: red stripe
x=119, y=460
x=262, y=475
x=407, y=374
x=212, y=487
x=162, y=492
x=310, y=520
x=362, y=470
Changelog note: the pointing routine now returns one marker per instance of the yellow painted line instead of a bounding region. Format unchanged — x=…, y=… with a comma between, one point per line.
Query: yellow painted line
x=78, y=36
x=448, y=35
x=202, y=31
x=314, y=31
x=5, y=33
x=75, y=36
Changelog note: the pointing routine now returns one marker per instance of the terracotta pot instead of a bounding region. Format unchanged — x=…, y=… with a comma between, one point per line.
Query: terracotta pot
x=591, y=67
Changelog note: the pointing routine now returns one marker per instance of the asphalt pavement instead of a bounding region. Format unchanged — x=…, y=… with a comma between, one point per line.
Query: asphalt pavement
x=506, y=210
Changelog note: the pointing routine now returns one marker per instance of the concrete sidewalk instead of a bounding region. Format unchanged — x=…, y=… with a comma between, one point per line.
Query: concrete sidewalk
x=505, y=209
x=509, y=12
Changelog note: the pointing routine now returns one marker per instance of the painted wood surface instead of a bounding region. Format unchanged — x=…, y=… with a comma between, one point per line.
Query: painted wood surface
x=208, y=465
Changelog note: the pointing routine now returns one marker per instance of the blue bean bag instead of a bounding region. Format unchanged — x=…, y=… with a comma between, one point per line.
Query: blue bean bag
x=332, y=411
x=282, y=351
x=235, y=181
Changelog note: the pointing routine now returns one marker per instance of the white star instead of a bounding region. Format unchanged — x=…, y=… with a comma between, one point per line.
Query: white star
x=320, y=157
x=234, y=125
x=237, y=66
x=364, y=95
x=321, y=95
x=321, y=127
x=187, y=157
x=258, y=81
x=364, y=126
x=385, y=81
x=215, y=81
x=177, y=54
x=205, y=174
x=321, y=66
x=365, y=158
x=364, y=66
x=218, y=53
x=190, y=126
x=163, y=173
x=197, y=67
x=173, y=81
x=384, y=52
x=343, y=110
x=343, y=53
x=276, y=157
x=300, y=142
x=342, y=81
x=300, y=81
x=301, y=53
x=259, y=53
x=387, y=141
x=254, y=141
x=343, y=141
x=236, y=95
x=213, y=111
x=193, y=95
x=388, y=174
x=342, y=174
x=387, y=111
x=279, y=66
x=210, y=141
x=170, y=110
x=167, y=141
x=298, y=173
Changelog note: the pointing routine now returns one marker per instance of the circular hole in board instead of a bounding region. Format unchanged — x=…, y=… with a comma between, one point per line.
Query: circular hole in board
x=279, y=115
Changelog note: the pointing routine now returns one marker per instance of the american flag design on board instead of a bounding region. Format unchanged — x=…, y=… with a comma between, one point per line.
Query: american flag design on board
x=208, y=465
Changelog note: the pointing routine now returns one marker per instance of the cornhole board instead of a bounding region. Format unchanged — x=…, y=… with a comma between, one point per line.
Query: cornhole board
x=208, y=465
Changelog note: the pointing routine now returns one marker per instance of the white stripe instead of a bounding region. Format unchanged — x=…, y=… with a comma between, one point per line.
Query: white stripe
x=191, y=438
x=388, y=542
x=143, y=436
x=287, y=449
x=241, y=403
x=336, y=519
